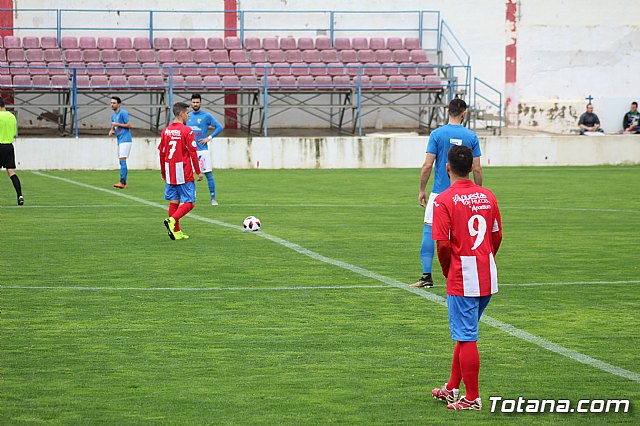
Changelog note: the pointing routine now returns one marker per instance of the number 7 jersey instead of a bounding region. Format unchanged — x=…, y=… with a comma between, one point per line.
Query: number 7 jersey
x=178, y=156
x=468, y=216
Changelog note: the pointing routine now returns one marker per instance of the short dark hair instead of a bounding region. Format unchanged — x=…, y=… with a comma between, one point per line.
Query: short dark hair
x=2, y=102
x=196, y=96
x=460, y=160
x=457, y=107
x=117, y=99
x=179, y=108
x=634, y=103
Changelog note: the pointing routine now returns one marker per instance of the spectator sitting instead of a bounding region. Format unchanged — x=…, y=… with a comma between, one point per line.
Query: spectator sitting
x=631, y=120
x=589, y=122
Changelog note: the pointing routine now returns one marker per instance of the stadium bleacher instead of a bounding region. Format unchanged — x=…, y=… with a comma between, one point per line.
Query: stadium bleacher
x=288, y=63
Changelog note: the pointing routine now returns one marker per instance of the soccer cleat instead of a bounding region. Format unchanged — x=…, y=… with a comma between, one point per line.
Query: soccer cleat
x=464, y=404
x=424, y=281
x=119, y=185
x=214, y=202
x=444, y=394
x=179, y=235
x=170, y=223
x=21, y=200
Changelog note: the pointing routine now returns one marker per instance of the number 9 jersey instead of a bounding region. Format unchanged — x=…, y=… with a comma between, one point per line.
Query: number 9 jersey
x=467, y=215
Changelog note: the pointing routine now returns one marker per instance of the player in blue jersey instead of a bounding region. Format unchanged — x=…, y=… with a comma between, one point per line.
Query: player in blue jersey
x=121, y=127
x=200, y=121
x=440, y=140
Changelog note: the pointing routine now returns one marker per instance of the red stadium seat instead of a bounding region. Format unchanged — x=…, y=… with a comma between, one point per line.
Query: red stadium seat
x=342, y=43
x=237, y=55
x=248, y=82
x=88, y=43
x=312, y=55
x=335, y=68
x=68, y=43
x=12, y=42
x=30, y=42
x=117, y=81
x=218, y=56
x=95, y=68
x=212, y=81
x=288, y=43
x=60, y=81
x=34, y=55
x=377, y=43
x=155, y=81
x=323, y=82
x=317, y=68
x=348, y=56
x=323, y=43
x=99, y=81
x=329, y=55
x=141, y=43
x=270, y=43
x=401, y=55
x=106, y=43
x=49, y=43
x=293, y=56
x=281, y=68
x=215, y=43
x=128, y=56
x=56, y=68
x=137, y=81
x=188, y=68
x=243, y=68
x=306, y=43
x=132, y=68
x=360, y=43
x=179, y=43
x=397, y=82
x=37, y=68
x=197, y=43
x=113, y=68
x=110, y=55
x=299, y=69
x=231, y=43
x=161, y=43
x=411, y=43
x=366, y=56
x=193, y=81
x=208, y=68
x=258, y=55
x=383, y=55
x=166, y=56
x=183, y=56
x=91, y=55
x=372, y=68
x=252, y=43
x=390, y=68
x=22, y=81
x=231, y=82
x=275, y=56
x=201, y=56
x=306, y=82
x=123, y=43
x=225, y=69
x=146, y=55
x=15, y=55
x=418, y=55
x=394, y=43
x=40, y=81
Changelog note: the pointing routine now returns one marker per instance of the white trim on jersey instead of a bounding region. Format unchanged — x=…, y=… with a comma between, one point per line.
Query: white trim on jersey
x=167, y=172
x=179, y=173
x=494, y=273
x=470, y=281
x=428, y=211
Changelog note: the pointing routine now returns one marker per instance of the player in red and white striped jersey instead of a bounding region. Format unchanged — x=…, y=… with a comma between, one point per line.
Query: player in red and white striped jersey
x=468, y=231
x=178, y=160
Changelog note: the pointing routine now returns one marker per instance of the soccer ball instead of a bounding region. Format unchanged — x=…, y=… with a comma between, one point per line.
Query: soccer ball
x=251, y=224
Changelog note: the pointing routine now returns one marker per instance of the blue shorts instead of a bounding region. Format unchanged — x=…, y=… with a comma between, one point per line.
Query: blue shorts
x=185, y=192
x=464, y=314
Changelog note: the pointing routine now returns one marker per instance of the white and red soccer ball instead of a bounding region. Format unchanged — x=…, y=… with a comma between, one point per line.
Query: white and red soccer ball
x=251, y=224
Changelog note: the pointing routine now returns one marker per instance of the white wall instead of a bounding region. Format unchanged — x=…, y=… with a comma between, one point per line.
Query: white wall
x=566, y=50
x=338, y=152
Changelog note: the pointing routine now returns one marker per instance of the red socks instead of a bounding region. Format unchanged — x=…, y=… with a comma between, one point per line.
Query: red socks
x=177, y=211
x=470, y=367
x=456, y=373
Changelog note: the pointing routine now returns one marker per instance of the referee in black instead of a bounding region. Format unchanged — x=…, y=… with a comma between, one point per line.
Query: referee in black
x=8, y=128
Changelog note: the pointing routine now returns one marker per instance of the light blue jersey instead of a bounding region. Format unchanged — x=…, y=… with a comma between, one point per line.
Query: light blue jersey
x=122, y=133
x=440, y=141
x=199, y=123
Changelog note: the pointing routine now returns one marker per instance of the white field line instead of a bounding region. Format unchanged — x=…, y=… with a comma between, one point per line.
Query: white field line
x=269, y=205
x=570, y=283
x=500, y=325
x=252, y=289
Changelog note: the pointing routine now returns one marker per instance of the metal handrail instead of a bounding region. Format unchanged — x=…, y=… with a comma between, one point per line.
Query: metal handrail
x=476, y=95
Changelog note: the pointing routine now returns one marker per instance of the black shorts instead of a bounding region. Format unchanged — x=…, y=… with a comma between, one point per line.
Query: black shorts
x=7, y=156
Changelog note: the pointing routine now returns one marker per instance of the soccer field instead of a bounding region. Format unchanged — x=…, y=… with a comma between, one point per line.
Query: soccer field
x=105, y=320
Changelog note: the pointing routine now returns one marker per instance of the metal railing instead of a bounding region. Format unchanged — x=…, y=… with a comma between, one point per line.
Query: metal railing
x=478, y=87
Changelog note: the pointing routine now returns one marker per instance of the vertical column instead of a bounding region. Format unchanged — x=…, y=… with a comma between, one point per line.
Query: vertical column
x=511, y=59
x=230, y=24
x=6, y=23
x=6, y=18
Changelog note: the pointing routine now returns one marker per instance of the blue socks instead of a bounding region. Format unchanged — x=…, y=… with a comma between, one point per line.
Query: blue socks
x=427, y=250
x=212, y=184
x=123, y=172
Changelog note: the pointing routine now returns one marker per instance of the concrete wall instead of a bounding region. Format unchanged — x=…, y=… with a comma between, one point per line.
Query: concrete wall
x=338, y=152
x=565, y=50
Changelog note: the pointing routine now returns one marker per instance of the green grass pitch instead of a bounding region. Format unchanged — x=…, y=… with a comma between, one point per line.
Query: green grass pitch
x=104, y=320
